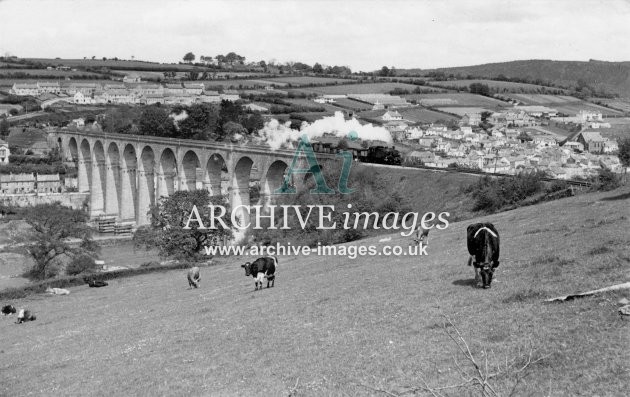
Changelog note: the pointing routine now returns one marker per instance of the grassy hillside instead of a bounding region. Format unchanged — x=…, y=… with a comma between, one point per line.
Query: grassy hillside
x=338, y=326
x=610, y=76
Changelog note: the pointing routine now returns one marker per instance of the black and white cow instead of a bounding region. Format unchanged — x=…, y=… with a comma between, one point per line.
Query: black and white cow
x=25, y=315
x=194, y=278
x=262, y=268
x=8, y=310
x=483, y=247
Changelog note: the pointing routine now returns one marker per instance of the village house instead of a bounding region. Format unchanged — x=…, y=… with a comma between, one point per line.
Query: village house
x=51, y=87
x=22, y=89
x=414, y=133
x=592, y=141
x=610, y=146
x=587, y=115
x=194, y=88
x=87, y=89
x=83, y=99
x=173, y=89
x=391, y=115
x=132, y=78
x=210, y=97
x=48, y=183
x=4, y=152
x=324, y=100
x=17, y=183
x=471, y=119
x=230, y=95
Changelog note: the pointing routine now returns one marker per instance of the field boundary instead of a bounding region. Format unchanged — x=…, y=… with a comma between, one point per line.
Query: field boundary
x=73, y=281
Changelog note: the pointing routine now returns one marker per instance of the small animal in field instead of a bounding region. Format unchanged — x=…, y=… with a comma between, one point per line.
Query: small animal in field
x=95, y=283
x=25, y=315
x=8, y=310
x=57, y=291
x=194, y=278
x=260, y=269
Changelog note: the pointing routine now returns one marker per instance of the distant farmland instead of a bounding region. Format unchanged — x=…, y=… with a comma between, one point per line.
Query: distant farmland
x=456, y=99
x=364, y=88
x=51, y=73
x=421, y=115
x=574, y=108
x=499, y=86
x=543, y=99
x=112, y=64
x=305, y=80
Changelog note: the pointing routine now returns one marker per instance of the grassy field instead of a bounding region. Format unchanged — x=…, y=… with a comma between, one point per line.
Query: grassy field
x=373, y=88
x=542, y=99
x=112, y=64
x=305, y=80
x=574, y=108
x=418, y=114
x=53, y=74
x=499, y=86
x=352, y=104
x=456, y=99
x=622, y=104
x=462, y=111
x=336, y=326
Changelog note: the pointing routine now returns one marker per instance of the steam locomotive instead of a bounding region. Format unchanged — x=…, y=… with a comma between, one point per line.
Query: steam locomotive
x=382, y=155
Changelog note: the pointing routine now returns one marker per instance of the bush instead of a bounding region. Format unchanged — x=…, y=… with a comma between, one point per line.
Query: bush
x=81, y=264
x=606, y=180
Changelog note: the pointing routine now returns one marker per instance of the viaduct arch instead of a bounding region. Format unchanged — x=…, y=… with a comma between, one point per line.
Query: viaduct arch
x=126, y=174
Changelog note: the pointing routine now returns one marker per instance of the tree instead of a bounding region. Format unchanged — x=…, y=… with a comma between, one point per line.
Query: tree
x=4, y=127
x=202, y=121
x=189, y=57
x=384, y=71
x=253, y=123
x=170, y=216
x=318, y=69
x=53, y=225
x=233, y=131
x=624, y=155
x=479, y=88
x=156, y=121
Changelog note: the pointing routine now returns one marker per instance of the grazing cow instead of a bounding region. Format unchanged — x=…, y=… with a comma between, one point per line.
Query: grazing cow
x=262, y=268
x=24, y=316
x=57, y=291
x=95, y=283
x=483, y=247
x=422, y=236
x=8, y=310
x=193, y=277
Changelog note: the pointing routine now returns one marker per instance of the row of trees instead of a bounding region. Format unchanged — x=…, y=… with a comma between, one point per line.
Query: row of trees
x=200, y=121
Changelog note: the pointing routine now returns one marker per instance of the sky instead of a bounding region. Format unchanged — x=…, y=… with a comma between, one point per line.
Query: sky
x=364, y=35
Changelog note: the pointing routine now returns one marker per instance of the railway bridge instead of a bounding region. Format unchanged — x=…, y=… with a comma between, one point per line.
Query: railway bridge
x=126, y=174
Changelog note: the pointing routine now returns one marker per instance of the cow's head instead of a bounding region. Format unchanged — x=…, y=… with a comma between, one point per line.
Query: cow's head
x=486, y=271
x=248, y=268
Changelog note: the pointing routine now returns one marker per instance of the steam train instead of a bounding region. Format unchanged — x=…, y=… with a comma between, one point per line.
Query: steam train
x=382, y=155
x=372, y=154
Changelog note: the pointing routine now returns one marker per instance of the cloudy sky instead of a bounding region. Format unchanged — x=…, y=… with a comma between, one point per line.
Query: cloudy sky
x=364, y=35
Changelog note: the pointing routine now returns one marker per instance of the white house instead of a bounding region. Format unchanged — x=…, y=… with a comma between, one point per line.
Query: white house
x=25, y=89
x=4, y=152
x=391, y=116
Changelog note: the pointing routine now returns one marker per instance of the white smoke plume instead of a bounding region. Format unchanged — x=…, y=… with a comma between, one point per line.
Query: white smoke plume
x=277, y=134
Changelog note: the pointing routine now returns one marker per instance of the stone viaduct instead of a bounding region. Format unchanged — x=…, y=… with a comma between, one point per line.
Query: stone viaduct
x=126, y=174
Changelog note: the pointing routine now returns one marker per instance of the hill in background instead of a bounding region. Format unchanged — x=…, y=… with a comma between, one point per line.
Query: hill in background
x=613, y=77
